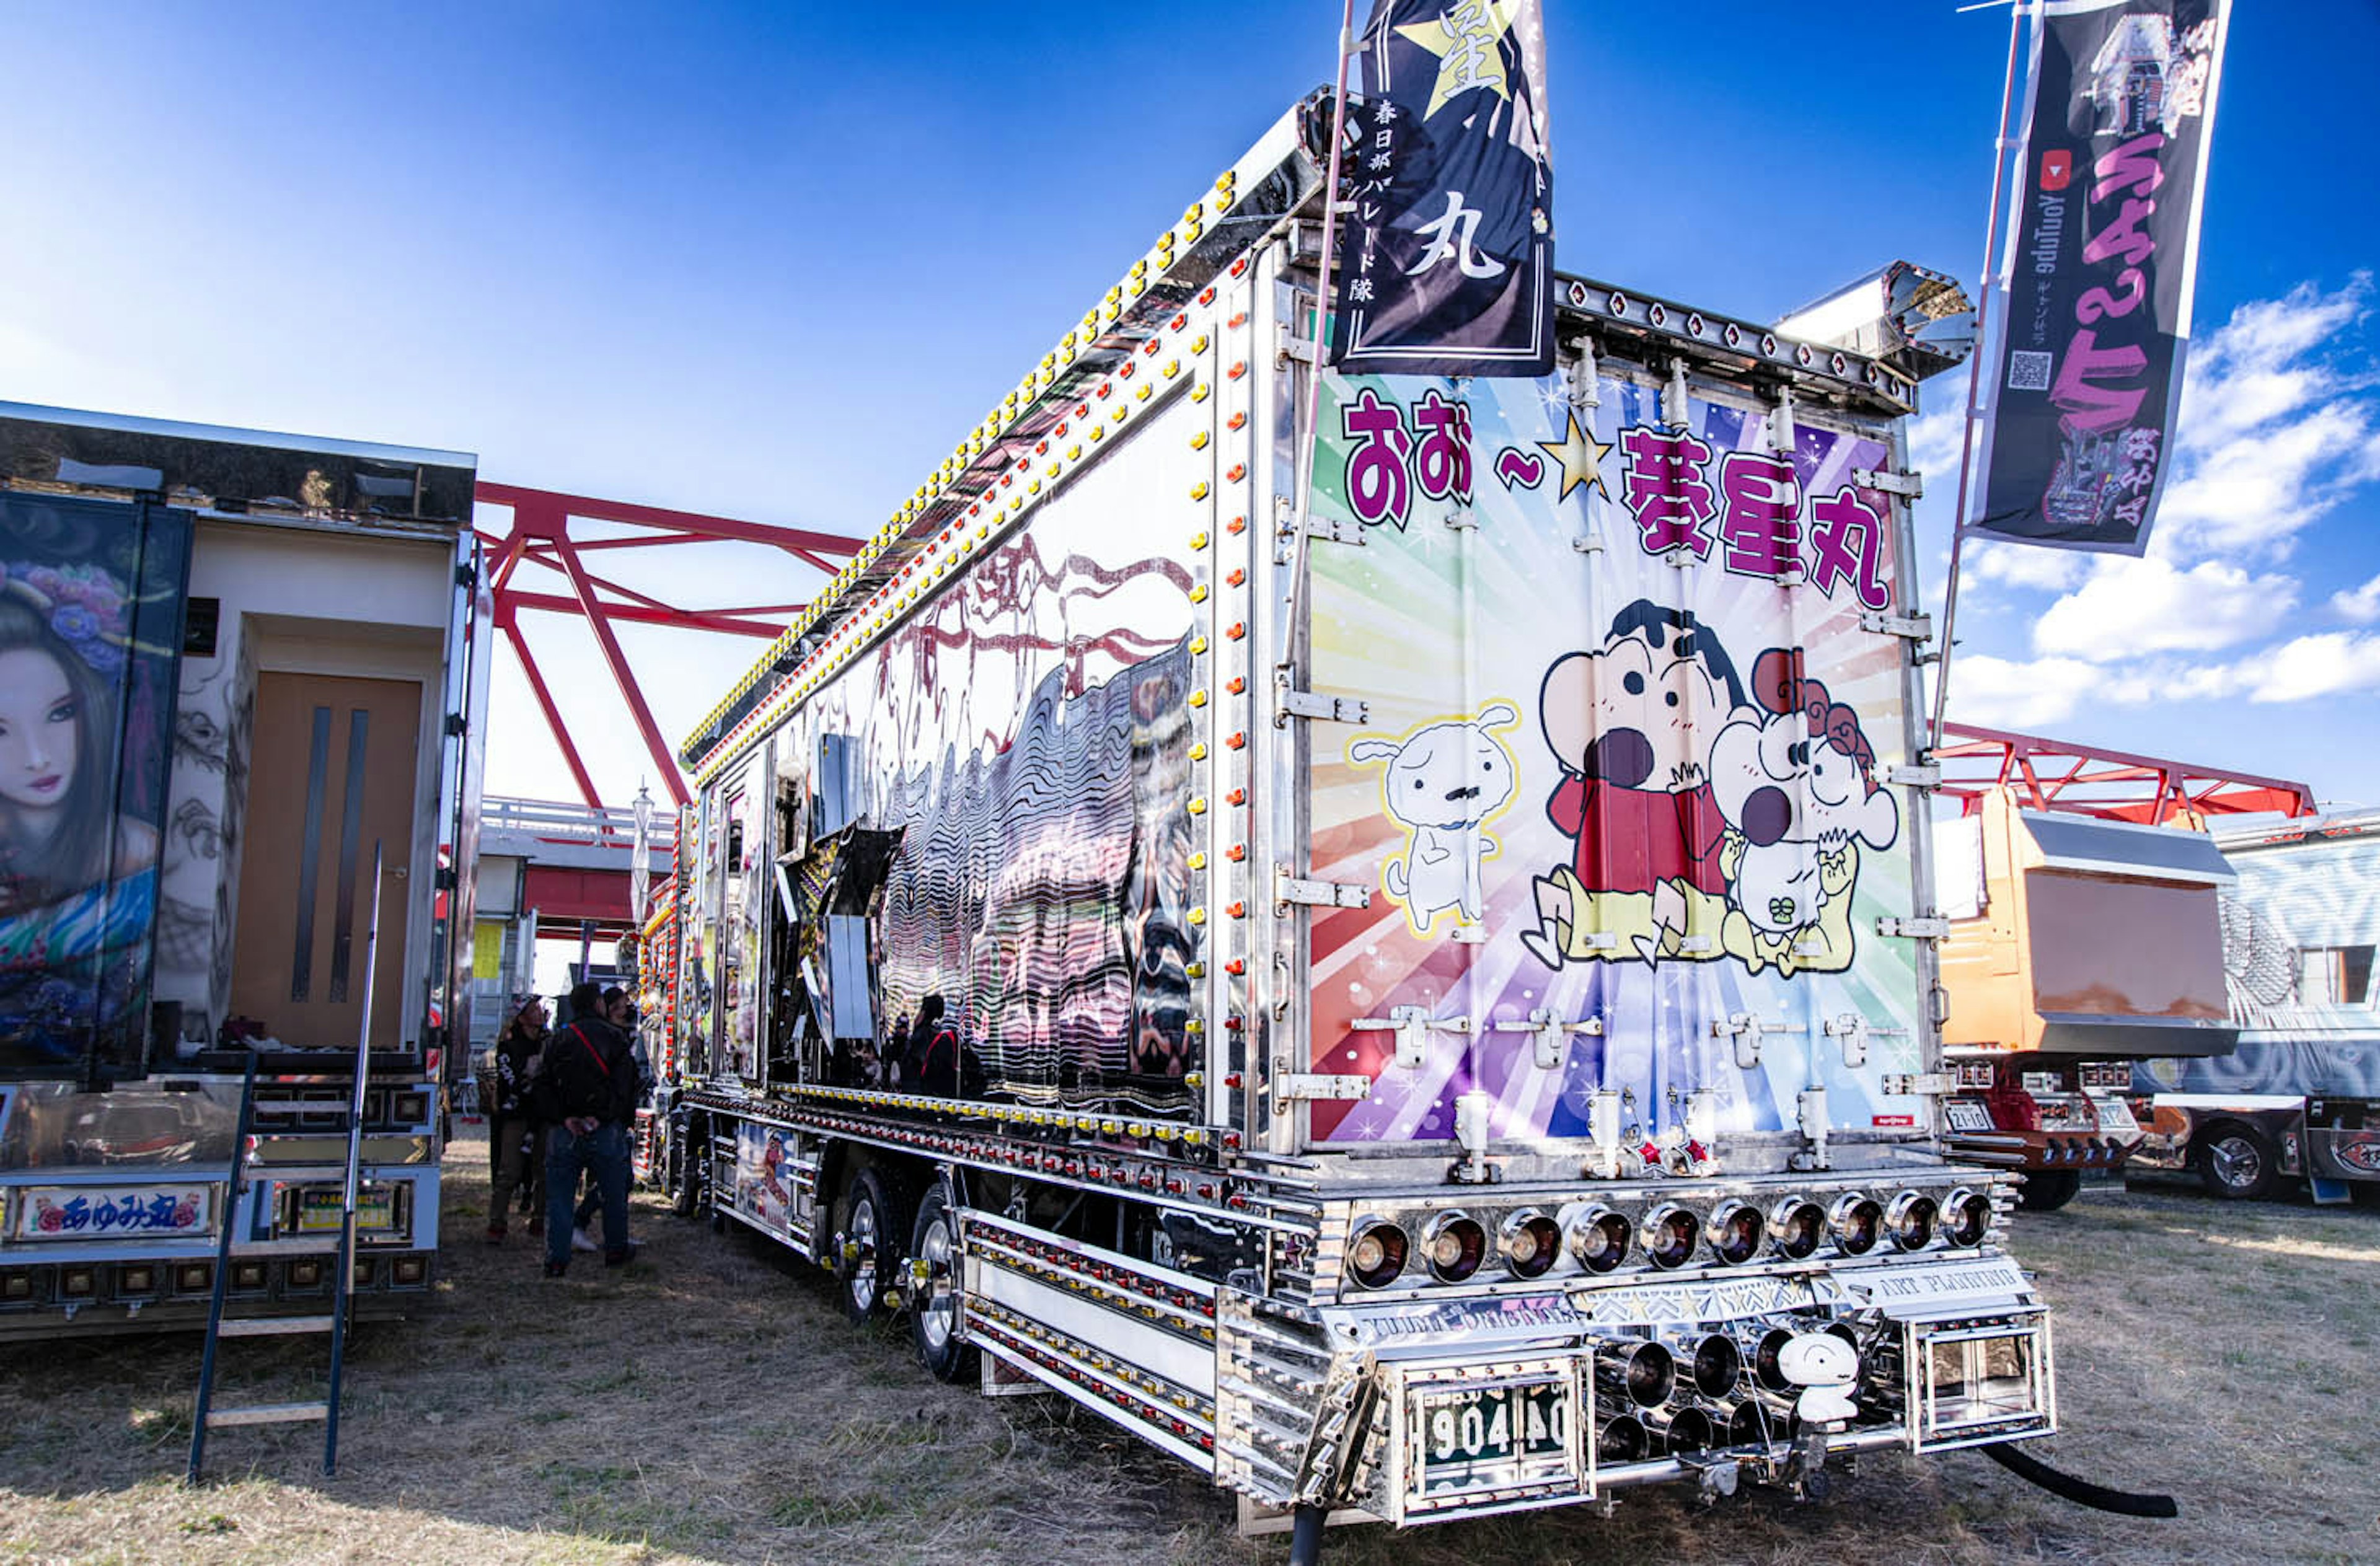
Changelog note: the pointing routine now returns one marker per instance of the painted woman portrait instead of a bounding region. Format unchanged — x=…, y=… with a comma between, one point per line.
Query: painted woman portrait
x=78, y=879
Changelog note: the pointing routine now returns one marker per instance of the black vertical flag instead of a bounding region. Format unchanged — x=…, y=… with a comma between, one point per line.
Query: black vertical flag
x=1448, y=267
x=2085, y=371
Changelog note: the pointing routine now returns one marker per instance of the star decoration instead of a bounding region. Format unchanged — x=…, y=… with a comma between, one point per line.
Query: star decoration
x=1581, y=456
x=1469, y=57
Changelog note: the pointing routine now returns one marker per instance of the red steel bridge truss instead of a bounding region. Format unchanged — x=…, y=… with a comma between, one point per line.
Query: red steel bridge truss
x=542, y=535
x=2115, y=786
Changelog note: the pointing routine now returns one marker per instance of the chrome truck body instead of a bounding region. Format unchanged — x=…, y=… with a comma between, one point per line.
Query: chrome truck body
x=2300, y=1096
x=1441, y=1003
x=297, y=680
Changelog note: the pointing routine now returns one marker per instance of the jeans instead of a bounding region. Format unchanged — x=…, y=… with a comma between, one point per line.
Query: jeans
x=604, y=1149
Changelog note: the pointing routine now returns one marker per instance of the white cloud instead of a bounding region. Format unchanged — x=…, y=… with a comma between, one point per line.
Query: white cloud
x=2273, y=434
x=2130, y=607
x=2002, y=694
x=2359, y=606
x=2327, y=664
x=1935, y=440
x=2026, y=565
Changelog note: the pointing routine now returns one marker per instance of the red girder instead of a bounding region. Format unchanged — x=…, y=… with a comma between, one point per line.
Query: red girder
x=2115, y=786
x=540, y=536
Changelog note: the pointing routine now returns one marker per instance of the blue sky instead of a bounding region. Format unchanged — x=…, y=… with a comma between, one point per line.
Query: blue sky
x=771, y=262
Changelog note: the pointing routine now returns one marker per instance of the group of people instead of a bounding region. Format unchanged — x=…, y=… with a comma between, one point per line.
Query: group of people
x=564, y=1103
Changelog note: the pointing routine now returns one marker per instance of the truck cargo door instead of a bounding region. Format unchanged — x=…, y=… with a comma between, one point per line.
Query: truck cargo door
x=1621, y=800
x=333, y=774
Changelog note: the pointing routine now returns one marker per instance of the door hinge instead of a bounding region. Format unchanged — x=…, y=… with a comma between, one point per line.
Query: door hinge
x=1322, y=1085
x=1296, y=703
x=1922, y=775
x=1916, y=627
x=1925, y=926
x=1291, y=347
x=1412, y=1026
x=1288, y=888
x=1551, y=1036
x=1909, y=486
x=1329, y=531
x=1916, y=1084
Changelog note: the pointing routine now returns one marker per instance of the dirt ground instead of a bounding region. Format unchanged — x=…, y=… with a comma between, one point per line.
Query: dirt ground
x=707, y=1403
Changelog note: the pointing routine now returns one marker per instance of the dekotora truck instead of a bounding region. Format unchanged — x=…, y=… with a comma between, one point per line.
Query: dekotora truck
x=238, y=670
x=1411, y=991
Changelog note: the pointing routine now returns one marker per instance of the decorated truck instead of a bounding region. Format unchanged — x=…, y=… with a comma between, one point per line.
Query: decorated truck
x=2299, y=1095
x=236, y=671
x=1412, y=992
x=2093, y=929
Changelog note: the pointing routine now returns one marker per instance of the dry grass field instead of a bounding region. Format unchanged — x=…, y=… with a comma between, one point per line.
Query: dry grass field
x=707, y=1404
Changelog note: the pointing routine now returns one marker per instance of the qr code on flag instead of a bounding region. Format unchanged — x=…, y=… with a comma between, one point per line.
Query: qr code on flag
x=2028, y=371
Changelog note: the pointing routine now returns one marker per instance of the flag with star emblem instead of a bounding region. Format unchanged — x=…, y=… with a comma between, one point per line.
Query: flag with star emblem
x=1448, y=266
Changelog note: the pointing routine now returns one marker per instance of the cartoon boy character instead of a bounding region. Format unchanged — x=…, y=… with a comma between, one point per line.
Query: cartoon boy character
x=1628, y=724
x=1442, y=781
x=1796, y=782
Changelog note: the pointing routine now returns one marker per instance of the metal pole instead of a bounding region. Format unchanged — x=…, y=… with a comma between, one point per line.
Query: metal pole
x=347, y=1284
x=1974, y=384
x=1310, y=452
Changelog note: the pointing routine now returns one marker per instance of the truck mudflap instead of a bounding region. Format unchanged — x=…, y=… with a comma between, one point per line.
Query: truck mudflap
x=1420, y=1411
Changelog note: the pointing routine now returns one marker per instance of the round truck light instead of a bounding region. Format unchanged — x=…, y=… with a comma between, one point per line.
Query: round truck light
x=1910, y=1221
x=1966, y=1217
x=1599, y=1237
x=1734, y=1231
x=1858, y=1223
x=1797, y=1227
x=1376, y=1256
x=1453, y=1245
x=1530, y=1242
x=1645, y=1371
x=1671, y=1232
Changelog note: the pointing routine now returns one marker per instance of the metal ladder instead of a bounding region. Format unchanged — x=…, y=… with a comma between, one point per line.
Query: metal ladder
x=205, y=1417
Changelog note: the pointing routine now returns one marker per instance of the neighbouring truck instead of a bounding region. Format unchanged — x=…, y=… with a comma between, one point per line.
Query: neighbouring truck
x=2300, y=1096
x=236, y=670
x=1410, y=990
x=2096, y=935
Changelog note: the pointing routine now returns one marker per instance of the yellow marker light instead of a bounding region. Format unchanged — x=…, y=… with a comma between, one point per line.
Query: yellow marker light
x=1198, y=440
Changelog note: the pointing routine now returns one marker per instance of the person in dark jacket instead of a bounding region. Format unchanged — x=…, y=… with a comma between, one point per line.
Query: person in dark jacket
x=941, y=1061
x=588, y=1086
x=513, y=1153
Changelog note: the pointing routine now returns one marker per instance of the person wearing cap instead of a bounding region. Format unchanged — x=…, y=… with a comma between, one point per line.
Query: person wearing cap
x=513, y=1133
x=588, y=1086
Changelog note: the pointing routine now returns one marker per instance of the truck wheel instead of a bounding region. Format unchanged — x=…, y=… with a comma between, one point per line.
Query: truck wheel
x=2046, y=1190
x=872, y=1248
x=2238, y=1161
x=934, y=1310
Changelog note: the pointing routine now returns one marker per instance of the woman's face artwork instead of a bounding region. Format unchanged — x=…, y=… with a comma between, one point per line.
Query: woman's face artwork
x=39, y=729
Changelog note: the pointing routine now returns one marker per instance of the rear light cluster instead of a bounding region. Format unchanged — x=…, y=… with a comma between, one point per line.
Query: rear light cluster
x=1453, y=1245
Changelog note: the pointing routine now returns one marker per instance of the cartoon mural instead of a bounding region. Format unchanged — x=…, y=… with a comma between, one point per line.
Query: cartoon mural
x=90, y=631
x=1700, y=836
x=1630, y=728
x=1442, y=783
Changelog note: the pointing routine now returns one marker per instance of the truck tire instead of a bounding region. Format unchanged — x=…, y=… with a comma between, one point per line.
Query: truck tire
x=2046, y=1190
x=2237, y=1162
x=873, y=1230
x=934, y=1312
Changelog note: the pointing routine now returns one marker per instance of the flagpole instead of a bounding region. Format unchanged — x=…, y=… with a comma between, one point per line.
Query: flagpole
x=1974, y=382
x=1311, y=453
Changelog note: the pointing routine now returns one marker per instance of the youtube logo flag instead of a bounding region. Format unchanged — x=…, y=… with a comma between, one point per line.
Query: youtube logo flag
x=2057, y=168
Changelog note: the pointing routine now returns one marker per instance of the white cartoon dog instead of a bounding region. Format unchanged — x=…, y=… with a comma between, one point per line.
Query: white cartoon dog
x=1441, y=782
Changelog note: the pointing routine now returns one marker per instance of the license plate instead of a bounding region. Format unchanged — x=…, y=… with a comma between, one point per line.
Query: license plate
x=319, y=1210
x=1965, y=1114
x=1490, y=1438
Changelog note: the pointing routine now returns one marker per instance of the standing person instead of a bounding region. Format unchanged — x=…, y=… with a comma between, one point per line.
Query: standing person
x=588, y=1083
x=513, y=1145
x=620, y=1012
